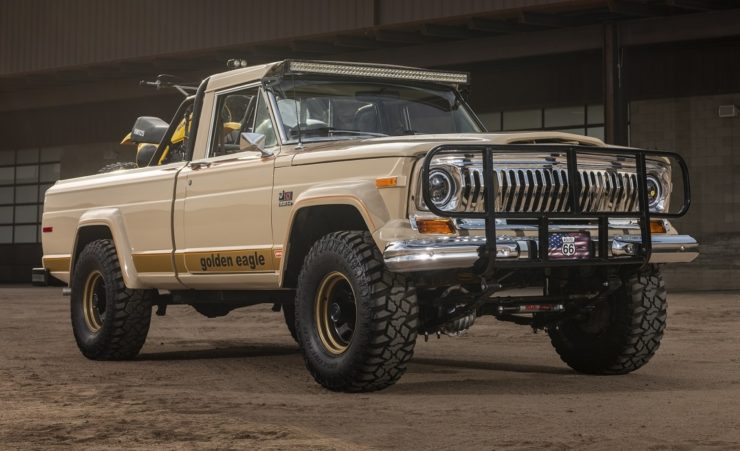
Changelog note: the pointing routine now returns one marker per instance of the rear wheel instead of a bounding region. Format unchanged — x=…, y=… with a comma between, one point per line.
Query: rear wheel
x=109, y=321
x=356, y=322
x=621, y=333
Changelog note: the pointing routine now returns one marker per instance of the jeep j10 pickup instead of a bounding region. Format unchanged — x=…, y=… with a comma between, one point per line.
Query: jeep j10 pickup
x=370, y=205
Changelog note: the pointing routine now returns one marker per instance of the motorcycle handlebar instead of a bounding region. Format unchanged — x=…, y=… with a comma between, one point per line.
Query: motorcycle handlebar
x=159, y=84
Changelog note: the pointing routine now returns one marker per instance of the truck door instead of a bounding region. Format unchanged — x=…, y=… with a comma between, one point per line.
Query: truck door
x=224, y=235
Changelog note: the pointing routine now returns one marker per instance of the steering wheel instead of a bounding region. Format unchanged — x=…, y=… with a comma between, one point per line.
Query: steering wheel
x=226, y=114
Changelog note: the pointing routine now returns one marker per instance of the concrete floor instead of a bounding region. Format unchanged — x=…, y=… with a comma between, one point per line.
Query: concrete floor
x=239, y=382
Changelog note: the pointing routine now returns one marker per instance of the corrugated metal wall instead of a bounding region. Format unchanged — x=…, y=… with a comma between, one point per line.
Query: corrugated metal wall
x=37, y=35
x=43, y=34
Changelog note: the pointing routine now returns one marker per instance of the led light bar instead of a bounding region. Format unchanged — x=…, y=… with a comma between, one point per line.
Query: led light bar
x=377, y=71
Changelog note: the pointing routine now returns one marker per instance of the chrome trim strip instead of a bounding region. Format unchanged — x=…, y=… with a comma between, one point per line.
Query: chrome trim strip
x=462, y=252
x=480, y=224
x=666, y=248
x=447, y=253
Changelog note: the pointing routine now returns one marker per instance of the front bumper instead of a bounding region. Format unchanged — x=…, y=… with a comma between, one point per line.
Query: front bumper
x=462, y=252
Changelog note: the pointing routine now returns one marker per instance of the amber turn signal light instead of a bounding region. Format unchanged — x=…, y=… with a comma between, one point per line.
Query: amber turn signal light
x=436, y=226
x=386, y=182
x=657, y=226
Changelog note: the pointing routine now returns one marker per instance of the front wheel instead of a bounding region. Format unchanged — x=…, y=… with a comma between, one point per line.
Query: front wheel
x=109, y=321
x=289, y=316
x=621, y=333
x=356, y=322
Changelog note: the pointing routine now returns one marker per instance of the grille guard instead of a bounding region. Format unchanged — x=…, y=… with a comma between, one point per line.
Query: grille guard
x=487, y=262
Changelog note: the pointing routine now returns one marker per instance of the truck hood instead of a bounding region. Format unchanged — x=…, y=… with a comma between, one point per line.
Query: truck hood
x=413, y=145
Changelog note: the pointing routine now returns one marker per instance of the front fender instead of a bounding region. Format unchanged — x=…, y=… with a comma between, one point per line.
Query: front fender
x=363, y=195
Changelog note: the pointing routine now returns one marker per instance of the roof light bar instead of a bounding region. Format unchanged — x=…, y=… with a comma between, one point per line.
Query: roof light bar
x=379, y=71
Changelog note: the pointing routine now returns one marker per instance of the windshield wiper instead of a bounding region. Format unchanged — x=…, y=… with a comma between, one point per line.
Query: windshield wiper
x=329, y=131
x=332, y=131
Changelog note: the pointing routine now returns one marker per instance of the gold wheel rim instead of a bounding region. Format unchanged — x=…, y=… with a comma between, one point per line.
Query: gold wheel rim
x=91, y=301
x=335, y=313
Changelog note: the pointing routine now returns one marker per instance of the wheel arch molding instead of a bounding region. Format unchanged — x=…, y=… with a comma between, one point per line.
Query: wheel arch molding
x=308, y=224
x=106, y=223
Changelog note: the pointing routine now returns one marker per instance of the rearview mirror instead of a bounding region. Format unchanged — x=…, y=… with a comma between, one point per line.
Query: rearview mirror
x=253, y=142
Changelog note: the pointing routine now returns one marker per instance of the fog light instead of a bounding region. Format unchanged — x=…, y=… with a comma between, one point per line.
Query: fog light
x=623, y=248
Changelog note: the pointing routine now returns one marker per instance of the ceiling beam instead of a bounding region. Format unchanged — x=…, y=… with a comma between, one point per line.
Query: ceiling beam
x=445, y=31
x=697, y=5
x=499, y=26
x=685, y=27
x=635, y=9
x=399, y=37
x=547, y=20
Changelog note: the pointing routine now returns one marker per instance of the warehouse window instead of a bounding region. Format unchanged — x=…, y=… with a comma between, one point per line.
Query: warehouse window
x=582, y=119
x=25, y=175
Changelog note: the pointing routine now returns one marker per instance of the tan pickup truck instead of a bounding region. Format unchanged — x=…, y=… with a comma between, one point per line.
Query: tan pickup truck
x=370, y=205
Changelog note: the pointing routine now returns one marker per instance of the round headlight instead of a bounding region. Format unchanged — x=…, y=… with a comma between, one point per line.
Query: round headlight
x=441, y=187
x=654, y=191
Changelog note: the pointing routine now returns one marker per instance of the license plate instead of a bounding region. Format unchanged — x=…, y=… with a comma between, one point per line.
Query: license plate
x=569, y=246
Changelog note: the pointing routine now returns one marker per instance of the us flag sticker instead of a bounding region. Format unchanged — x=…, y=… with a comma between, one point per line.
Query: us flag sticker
x=569, y=246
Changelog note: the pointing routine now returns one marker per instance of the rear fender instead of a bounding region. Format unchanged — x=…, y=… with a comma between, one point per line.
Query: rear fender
x=113, y=220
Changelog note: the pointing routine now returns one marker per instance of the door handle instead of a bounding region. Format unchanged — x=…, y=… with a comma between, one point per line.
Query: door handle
x=196, y=165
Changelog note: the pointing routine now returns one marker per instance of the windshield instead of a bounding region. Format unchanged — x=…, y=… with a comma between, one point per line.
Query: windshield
x=359, y=109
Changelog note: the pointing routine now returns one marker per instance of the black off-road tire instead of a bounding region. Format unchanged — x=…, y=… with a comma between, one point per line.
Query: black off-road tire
x=289, y=315
x=633, y=321
x=117, y=167
x=122, y=326
x=386, y=315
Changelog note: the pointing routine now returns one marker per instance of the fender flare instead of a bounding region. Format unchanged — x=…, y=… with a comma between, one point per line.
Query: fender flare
x=362, y=195
x=113, y=220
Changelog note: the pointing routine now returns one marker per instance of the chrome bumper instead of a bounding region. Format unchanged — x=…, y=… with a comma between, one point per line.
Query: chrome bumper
x=462, y=252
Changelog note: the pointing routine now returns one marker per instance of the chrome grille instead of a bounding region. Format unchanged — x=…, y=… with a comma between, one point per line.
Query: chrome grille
x=547, y=190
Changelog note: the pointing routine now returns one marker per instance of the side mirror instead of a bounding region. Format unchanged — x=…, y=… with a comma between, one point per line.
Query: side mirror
x=254, y=142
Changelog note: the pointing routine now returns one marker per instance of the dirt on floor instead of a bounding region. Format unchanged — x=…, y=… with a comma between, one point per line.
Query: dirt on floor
x=239, y=382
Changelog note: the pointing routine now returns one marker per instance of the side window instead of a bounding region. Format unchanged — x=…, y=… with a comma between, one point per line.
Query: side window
x=263, y=122
x=234, y=114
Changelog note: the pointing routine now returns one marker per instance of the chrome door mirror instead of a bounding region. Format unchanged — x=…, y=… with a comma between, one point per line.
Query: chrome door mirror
x=253, y=142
